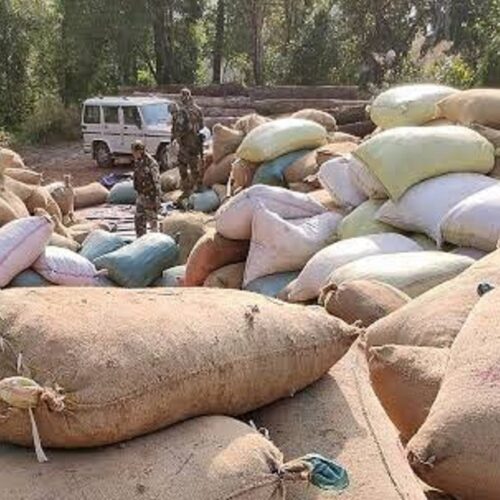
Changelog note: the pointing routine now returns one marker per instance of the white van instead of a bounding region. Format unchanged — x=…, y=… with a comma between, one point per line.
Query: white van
x=111, y=124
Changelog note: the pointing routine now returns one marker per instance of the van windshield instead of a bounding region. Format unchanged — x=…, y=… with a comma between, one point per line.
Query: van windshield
x=155, y=114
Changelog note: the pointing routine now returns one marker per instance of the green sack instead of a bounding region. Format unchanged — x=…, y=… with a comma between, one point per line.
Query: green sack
x=272, y=173
x=29, y=279
x=206, y=202
x=122, y=193
x=272, y=285
x=141, y=263
x=99, y=243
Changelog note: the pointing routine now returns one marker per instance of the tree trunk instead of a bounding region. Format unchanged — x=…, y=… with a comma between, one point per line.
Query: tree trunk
x=257, y=26
x=219, y=41
x=162, y=18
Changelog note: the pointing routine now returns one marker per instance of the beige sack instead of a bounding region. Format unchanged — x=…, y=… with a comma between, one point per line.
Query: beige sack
x=10, y=159
x=218, y=173
x=20, y=189
x=227, y=277
x=323, y=197
x=242, y=174
x=225, y=141
x=456, y=449
x=200, y=352
x=91, y=195
x=343, y=137
x=57, y=240
x=210, y=253
x=11, y=206
x=491, y=134
x=341, y=417
x=186, y=228
x=473, y=106
x=24, y=175
x=406, y=380
x=434, y=319
x=63, y=194
x=364, y=301
x=170, y=180
x=318, y=116
x=247, y=123
x=79, y=232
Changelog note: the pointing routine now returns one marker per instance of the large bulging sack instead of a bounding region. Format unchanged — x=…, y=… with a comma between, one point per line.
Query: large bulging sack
x=414, y=273
x=11, y=206
x=21, y=242
x=272, y=173
x=63, y=194
x=408, y=105
x=122, y=193
x=402, y=157
x=316, y=115
x=234, y=219
x=218, y=173
x=90, y=195
x=315, y=274
x=170, y=180
x=247, y=123
x=423, y=207
x=220, y=457
x=206, y=201
x=456, y=449
x=24, y=175
x=64, y=267
x=280, y=137
x=435, y=318
x=406, y=380
x=210, y=253
x=366, y=180
x=272, y=285
x=225, y=142
x=99, y=243
x=57, y=240
x=29, y=279
x=473, y=106
x=363, y=301
x=10, y=159
x=475, y=221
x=341, y=416
x=227, y=277
x=171, y=278
x=280, y=246
x=141, y=263
x=180, y=363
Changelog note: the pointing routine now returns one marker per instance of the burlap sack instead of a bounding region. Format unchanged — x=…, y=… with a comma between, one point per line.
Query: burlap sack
x=90, y=195
x=365, y=301
x=218, y=173
x=186, y=228
x=456, y=449
x=490, y=134
x=20, y=189
x=323, y=197
x=209, y=458
x=242, y=174
x=435, y=318
x=472, y=106
x=11, y=206
x=24, y=175
x=63, y=194
x=57, y=240
x=10, y=159
x=170, y=180
x=200, y=352
x=406, y=380
x=318, y=116
x=247, y=123
x=210, y=253
x=342, y=137
x=225, y=141
x=341, y=417
x=227, y=277
x=80, y=232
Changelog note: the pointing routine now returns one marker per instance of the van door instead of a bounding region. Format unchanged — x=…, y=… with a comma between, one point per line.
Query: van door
x=132, y=126
x=91, y=126
x=113, y=131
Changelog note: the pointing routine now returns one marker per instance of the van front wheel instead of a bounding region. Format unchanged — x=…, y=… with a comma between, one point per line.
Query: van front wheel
x=102, y=155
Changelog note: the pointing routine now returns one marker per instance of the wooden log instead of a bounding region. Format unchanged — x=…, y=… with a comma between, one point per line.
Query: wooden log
x=359, y=129
x=350, y=114
x=216, y=112
x=304, y=92
x=283, y=106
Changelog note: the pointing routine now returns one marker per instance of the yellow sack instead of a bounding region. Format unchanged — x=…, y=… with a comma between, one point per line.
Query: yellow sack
x=279, y=137
x=404, y=156
x=408, y=105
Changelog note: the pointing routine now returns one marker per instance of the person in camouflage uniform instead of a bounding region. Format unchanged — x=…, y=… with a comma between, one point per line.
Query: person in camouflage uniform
x=187, y=123
x=148, y=187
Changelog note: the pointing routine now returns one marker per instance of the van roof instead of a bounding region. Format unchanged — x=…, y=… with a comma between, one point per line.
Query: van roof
x=124, y=101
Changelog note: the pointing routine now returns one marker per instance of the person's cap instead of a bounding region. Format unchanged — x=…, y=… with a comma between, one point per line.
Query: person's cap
x=138, y=146
x=185, y=92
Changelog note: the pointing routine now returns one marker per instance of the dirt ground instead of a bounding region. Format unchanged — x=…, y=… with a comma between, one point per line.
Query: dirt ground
x=66, y=158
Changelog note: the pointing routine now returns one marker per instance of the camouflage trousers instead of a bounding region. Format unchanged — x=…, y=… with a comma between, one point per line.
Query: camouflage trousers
x=146, y=211
x=190, y=171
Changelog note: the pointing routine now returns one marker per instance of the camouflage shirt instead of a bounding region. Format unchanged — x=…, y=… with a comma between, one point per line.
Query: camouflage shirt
x=147, y=179
x=186, y=125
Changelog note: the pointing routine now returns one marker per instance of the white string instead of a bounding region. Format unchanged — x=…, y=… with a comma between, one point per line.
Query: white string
x=40, y=454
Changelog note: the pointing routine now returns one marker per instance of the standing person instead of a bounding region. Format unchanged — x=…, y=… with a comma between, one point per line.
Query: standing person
x=187, y=123
x=148, y=187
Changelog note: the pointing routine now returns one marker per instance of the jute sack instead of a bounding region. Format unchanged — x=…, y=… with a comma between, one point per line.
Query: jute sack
x=423, y=207
x=363, y=301
x=80, y=232
x=406, y=380
x=323, y=197
x=11, y=206
x=225, y=141
x=490, y=134
x=170, y=180
x=63, y=194
x=57, y=240
x=227, y=277
x=10, y=159
x=340, y=416
x=210, y=253
x=474, y=222
x=435, y=318
x=242, y=173
x=91, y=195
x=363, y=222
x=472, y=106
x=404, y=156
x=209, y=458
x=414, y=273
x=21, y=242
x=366, y=180
x=456, y=449
x=316, y=115
x=276, y=138
x=200, y=352
x=234, y=219
x=342, y=137
x=247, y=123
x=186, y=228
x=315, y=274
x=218, y=173
x=24, y=175
x=408, y=105
x=280, y=246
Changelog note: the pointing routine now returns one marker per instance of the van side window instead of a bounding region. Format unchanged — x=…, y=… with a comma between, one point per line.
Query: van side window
x=111, y=114
x=92, y=115
x=131, y=115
